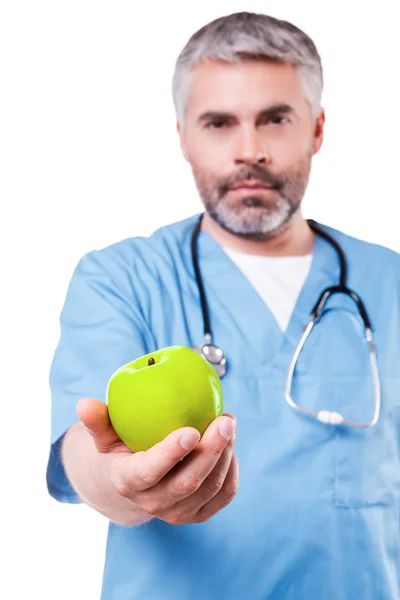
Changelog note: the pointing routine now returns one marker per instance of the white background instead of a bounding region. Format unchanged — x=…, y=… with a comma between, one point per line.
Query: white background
x=90, y=155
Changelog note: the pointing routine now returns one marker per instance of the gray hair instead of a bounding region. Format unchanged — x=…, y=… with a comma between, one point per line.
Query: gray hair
x=246, y=35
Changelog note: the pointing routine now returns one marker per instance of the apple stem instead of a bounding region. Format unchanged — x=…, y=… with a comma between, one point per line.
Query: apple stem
x=150, y=362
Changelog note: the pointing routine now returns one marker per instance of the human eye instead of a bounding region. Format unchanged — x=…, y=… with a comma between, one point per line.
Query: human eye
x=216, y=124
x=278, y=120
x=275, y=119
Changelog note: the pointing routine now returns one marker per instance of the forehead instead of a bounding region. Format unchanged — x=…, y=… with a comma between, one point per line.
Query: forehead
x=243, y=86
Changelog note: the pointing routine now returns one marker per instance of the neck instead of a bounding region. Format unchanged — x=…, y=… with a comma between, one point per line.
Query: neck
x=296, y=239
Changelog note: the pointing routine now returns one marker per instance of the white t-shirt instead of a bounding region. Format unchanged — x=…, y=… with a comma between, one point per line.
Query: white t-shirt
x=278, y=280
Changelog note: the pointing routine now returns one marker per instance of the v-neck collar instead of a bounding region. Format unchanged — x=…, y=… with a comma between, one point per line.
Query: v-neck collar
x=226, y=283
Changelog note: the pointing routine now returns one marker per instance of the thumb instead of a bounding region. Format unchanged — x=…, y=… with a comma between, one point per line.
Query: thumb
x=94, y=416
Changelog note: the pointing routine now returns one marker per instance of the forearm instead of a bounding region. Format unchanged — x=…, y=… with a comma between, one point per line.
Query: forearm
x=79, y=456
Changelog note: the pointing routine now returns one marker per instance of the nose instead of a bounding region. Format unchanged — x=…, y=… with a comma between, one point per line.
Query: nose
x=250, y=148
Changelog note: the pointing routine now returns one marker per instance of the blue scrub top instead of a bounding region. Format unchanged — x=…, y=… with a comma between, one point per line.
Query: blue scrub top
x=317, y=511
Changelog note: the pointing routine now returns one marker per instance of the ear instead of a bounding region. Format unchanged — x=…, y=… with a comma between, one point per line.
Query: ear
x=182, y=141
x=319, y=132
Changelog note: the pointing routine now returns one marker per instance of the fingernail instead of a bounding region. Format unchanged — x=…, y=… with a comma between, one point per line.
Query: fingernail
x=226, y=427
x=189, y=440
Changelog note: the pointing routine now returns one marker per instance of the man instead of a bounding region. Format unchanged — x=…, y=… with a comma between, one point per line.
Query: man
x=316, y=514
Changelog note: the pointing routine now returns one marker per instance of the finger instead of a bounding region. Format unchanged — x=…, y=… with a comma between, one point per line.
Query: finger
x=213, y=484
x=183, y=511
x=231, y=416
x=188, y=476
x=152, y=465
x=224, y=496
x=156, y=474
x=94, y=416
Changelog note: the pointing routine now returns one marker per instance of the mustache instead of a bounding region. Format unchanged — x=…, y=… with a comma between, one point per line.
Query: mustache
x=256, y=172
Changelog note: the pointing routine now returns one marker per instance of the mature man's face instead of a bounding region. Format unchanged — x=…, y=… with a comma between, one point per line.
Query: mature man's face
x=250, y=122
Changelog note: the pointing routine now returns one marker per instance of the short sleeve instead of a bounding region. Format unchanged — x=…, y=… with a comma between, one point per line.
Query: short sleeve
x=101, y=329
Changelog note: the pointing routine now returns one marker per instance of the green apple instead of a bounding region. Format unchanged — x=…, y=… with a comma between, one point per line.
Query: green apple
x=160, y=392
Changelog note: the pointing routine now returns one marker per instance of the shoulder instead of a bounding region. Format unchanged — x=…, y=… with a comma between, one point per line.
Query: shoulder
x=151, y=251
x=370, y=254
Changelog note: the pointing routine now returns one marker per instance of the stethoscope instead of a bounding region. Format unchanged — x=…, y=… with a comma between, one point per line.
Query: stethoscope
x=216, y=357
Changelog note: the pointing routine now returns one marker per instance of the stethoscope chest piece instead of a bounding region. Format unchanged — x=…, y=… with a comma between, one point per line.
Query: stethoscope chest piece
x=214, y=355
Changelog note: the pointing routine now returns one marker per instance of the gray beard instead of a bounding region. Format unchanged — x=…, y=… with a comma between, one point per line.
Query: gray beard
x=261, y=228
